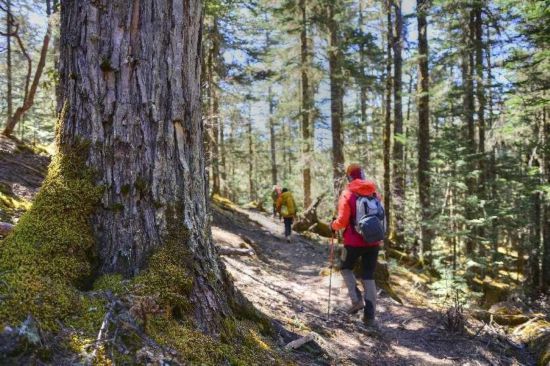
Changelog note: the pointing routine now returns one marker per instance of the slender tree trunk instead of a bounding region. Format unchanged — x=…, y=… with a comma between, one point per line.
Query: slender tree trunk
x=387, y=114
x=545, y=143
x=272, y=137
x=424, y=183
x=489, y=76
x=9, y=76
x=223, y=166
x=468, y=110
x=536, y=252
x=480, y=94
x=30, y=93
x=363, y=95
x=336, y=95
x=307, y=105
x=398, y=146
x=145, y=138
x=215, y=117
x=251, y=189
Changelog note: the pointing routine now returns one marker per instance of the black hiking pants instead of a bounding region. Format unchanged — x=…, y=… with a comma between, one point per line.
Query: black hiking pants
x=369, y=257
x=288, y=225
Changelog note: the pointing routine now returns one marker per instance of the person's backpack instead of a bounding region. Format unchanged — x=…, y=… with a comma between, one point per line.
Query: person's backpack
x=370, y=219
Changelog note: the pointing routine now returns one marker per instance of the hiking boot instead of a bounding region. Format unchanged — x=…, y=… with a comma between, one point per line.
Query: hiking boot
x=287, y=239
x=355, y=307
x=370, y=322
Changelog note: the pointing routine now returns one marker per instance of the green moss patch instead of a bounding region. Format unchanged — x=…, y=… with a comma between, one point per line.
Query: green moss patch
x=240, y=343
x=49, y=254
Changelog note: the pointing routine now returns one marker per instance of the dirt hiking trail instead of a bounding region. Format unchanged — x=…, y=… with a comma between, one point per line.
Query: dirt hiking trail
x=286, y=281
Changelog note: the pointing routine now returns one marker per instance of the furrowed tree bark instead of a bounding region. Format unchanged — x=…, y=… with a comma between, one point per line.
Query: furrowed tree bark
x=424, y=183
x=387, y=114
x=336, y=95
x=398, y=194
x=307, y=105
x=130, y=91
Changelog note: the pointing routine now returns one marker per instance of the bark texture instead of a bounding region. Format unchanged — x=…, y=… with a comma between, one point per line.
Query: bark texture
x=130, y=91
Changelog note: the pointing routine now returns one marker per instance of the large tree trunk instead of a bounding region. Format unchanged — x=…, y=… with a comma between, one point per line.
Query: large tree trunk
x=424, y=183
x=398, y=146
x=130, y=91
x=387, y=114
x=336, y=95
x=307, y=105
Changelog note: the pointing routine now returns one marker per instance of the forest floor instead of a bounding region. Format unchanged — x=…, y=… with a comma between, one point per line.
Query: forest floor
x=289, y=283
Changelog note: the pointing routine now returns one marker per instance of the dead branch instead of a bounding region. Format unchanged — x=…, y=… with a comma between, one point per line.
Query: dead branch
x=312, y=336
x=223, y=250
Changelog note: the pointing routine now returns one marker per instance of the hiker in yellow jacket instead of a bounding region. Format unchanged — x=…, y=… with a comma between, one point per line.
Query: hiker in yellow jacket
x=286, y=207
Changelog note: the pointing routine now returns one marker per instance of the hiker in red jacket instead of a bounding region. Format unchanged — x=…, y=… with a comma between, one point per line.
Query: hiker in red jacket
x=355, y=245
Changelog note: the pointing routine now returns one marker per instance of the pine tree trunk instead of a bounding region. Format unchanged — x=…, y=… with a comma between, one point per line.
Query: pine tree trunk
x=545, y=143
x=424, y=184
x=398, y=192
x=223, y=162
x=130, y=91
x=336, y=95
x=366, y=142
x=215, y=117
x=307, y=105
x=480, y=94
x=468, y=110
x=272, y=137
x=251, y=189
x=387, y=114
x=9, y=75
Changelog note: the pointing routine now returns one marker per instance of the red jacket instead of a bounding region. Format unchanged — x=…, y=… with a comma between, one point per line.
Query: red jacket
x=346, y=212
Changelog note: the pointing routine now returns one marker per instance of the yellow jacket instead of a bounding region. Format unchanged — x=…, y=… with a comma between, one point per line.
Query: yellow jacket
x=286, y=205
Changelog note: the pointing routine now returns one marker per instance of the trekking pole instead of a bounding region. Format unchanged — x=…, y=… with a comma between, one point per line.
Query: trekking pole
x=330, y=259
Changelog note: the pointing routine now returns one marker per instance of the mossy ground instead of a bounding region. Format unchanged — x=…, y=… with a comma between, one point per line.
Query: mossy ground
x=49, y=255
